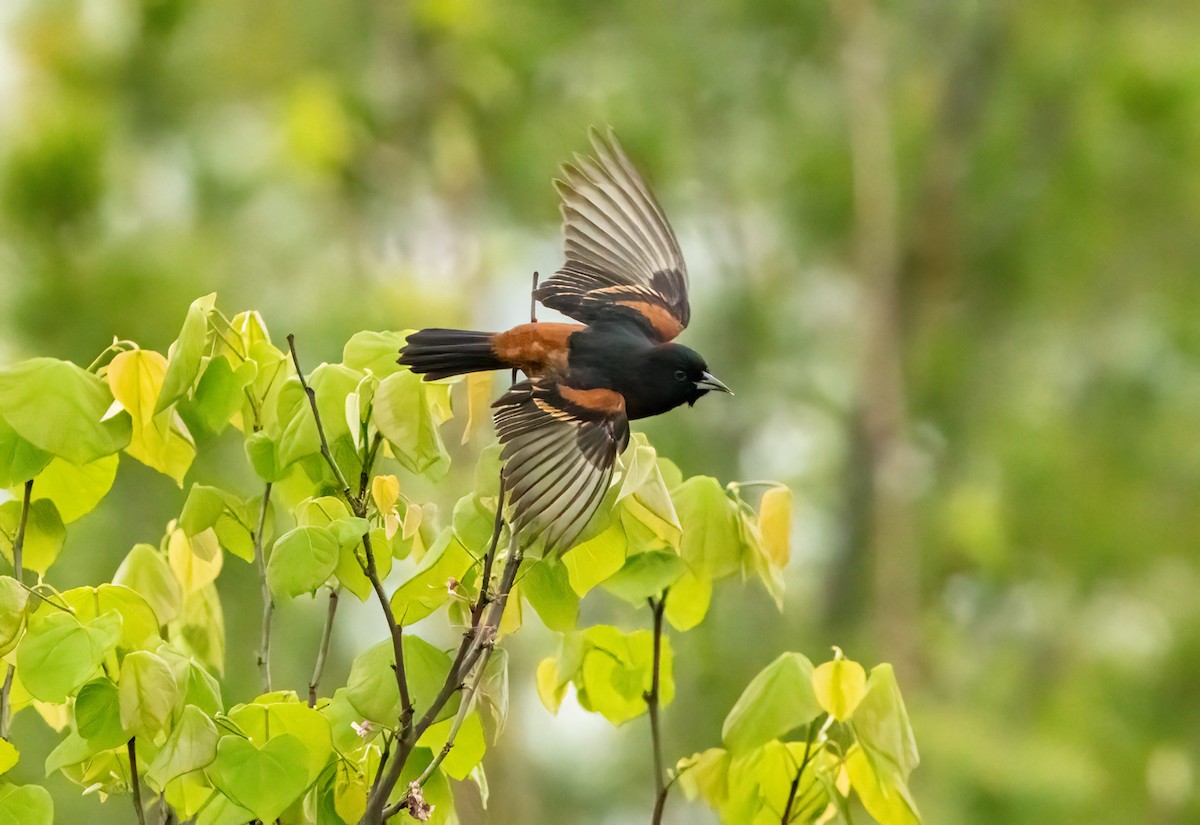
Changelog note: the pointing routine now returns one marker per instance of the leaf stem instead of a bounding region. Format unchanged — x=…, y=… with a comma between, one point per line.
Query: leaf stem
x=133, y=780
x=323, y=650
x=268, y=603
x=657, y=607
x=18, y=574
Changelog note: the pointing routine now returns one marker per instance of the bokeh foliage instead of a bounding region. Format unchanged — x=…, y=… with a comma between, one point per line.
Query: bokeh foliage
x=380, y=166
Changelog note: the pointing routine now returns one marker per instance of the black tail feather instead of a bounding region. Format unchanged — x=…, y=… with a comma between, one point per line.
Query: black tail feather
x=441, y=353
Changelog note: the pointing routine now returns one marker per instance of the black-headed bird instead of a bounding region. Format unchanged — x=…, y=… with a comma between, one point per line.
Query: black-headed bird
x=625, y=281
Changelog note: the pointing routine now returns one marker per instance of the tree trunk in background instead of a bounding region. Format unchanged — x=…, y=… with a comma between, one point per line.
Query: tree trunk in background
x=882, y=420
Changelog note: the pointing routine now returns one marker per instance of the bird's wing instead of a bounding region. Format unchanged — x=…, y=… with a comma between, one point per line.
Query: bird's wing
x=559, y=448
x=622, y=257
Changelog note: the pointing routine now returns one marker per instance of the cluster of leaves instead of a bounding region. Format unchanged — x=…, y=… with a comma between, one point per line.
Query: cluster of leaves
x=856, y=738
x=128, y=670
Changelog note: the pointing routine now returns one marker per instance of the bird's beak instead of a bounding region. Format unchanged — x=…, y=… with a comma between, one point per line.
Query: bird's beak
x=711, y=382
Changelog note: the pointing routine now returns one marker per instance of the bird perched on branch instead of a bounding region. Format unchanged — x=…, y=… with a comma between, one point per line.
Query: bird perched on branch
x=625, y=280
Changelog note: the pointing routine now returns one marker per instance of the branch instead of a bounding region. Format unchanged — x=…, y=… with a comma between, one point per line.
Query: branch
x=477, y=641
x=268, y=608
x=359, y=508
x=133, y=780
x=464, y=710
x=18, y=574
x=651, y=697
x=808, y=754
x=323, y=650
x=312, y=402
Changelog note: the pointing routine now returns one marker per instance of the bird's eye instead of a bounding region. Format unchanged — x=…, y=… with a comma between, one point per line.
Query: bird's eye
x=680, y=375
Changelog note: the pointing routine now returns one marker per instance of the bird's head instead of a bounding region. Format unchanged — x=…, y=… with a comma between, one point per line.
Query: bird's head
x=686, y=373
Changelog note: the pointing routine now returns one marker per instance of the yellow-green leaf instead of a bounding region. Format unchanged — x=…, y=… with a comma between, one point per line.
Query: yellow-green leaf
x=840, y=685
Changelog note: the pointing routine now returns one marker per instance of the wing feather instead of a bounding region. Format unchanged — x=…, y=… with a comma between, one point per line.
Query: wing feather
x=622, y=258
x=558, y=457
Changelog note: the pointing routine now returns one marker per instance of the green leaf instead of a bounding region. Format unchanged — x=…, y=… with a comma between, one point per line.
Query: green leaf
x=548, y=588
x=25, y=805
x=220, y=393
x=201, y=509
x=98, y=716
x=146, y=572
x=590, y=563
x=372, y=690
x=44, y=533
x=75, y=489
x=264, y=780
x=60, y=408
x=617, y=671
x=839, y=686
x=705, y=776
x=408, y=413
x=139, y=624
x=880, y=722
x=263, y=455
x=882, y=793
x=469, y=745
x=58, y=654
x=8, y=756
x=160, y=441
x=645, y=575
x=374, y=351
x=147, y=691
x=191, y=746
x=710, y=543
x=302, y=560
x=186, y=353
x=13, y=600
x=195, y=561
x=200, y=628
x=427, y=590
x=779, y=699
x=19, y=460
x=196, y=685
x=282, y=713
x=689, y=600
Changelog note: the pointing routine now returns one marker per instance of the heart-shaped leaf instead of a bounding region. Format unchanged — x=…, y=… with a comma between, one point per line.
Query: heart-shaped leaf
x=265, y=780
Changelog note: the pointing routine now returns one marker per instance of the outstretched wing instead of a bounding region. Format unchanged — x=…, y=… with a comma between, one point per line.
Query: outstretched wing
x=559, y=448
x=622, y=257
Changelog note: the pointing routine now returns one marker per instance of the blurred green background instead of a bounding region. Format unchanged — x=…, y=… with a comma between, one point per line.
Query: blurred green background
x=946, y=254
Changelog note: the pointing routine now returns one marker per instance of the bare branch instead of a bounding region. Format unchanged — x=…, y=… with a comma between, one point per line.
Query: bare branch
x=323, y=650
x=343, y=485
x=134, y=784
x=657, y=607
x=268, y=606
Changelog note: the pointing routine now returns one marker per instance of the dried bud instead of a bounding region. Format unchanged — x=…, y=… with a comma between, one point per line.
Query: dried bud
x=418, y=808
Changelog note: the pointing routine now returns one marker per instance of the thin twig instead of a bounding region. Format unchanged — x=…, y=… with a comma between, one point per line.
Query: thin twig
x=18, y=574
x=323, y=650
x=359, y=507
x=312, y=402
x=268, y=602
x=133, y=780
x=808, y=753
x=657, y=607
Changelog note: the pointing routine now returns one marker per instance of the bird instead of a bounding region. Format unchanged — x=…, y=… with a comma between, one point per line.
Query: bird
x=625, y=283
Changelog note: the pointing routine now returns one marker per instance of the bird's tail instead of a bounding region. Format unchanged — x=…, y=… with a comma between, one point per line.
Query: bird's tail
x=441, y=353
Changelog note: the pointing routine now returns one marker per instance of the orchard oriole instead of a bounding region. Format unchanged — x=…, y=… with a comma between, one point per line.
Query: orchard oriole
x=625, y=280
